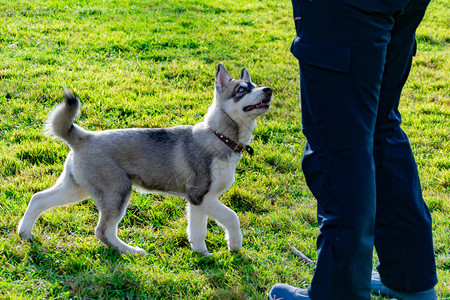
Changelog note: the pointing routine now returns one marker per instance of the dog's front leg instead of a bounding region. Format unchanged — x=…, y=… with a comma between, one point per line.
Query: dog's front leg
x=196, y=230
x=226, y=218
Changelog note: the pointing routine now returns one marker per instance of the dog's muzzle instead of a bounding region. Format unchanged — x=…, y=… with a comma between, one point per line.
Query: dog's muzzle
x=265, y=103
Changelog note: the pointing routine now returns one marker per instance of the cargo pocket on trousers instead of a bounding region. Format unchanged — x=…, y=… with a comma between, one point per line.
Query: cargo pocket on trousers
x=328, y=57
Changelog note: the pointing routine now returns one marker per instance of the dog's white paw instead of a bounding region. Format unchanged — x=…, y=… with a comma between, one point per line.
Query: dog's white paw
x=204, y=253
x=200, y=247
x=26, y=236
x=234, y=241
x=133, y=251
x=235, y=247
x=24, y=233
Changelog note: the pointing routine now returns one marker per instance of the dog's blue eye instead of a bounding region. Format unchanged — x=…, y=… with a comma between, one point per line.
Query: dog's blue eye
x=241, y=89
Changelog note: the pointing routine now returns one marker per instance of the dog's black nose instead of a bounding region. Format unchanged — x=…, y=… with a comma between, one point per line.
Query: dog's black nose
x=267, y=90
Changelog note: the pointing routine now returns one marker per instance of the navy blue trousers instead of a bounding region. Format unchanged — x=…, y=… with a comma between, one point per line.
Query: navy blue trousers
x=355, y=57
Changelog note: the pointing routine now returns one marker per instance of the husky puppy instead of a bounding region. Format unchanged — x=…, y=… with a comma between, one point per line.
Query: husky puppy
x=195, y=162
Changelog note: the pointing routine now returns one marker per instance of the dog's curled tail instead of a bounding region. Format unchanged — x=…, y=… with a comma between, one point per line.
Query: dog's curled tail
x=60, y=121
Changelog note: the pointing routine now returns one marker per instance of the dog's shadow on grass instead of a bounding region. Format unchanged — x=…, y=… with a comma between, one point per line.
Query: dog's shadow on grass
x=64, y=259
x=228, y=273
x=39, y=253
x=95, y=270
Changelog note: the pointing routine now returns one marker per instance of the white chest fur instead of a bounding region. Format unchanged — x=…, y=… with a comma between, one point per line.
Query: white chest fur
x=223, y=173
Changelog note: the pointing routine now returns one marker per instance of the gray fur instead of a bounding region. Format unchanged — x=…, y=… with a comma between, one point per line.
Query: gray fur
x=186, y=161
x=60, y=121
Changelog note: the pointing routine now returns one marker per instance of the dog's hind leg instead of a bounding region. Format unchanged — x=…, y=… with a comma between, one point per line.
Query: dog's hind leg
x=226, y=218
x=112, y=207
x=65, y=191
x=196, y=230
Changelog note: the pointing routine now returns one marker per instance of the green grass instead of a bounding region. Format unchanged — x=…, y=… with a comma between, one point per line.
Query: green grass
x=152, y=64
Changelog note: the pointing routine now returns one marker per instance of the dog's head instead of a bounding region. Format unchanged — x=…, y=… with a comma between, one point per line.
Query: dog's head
x=240, y=98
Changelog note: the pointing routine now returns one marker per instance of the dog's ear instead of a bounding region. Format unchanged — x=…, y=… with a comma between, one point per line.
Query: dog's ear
x=222, y=78
x=245, y=75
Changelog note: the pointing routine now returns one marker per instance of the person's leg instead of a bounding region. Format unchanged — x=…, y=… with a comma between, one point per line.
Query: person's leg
x=403, y=237
x=345, y=190
x=341, y=49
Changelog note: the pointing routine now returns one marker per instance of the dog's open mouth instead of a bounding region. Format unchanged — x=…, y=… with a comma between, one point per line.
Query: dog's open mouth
x=256, y=106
